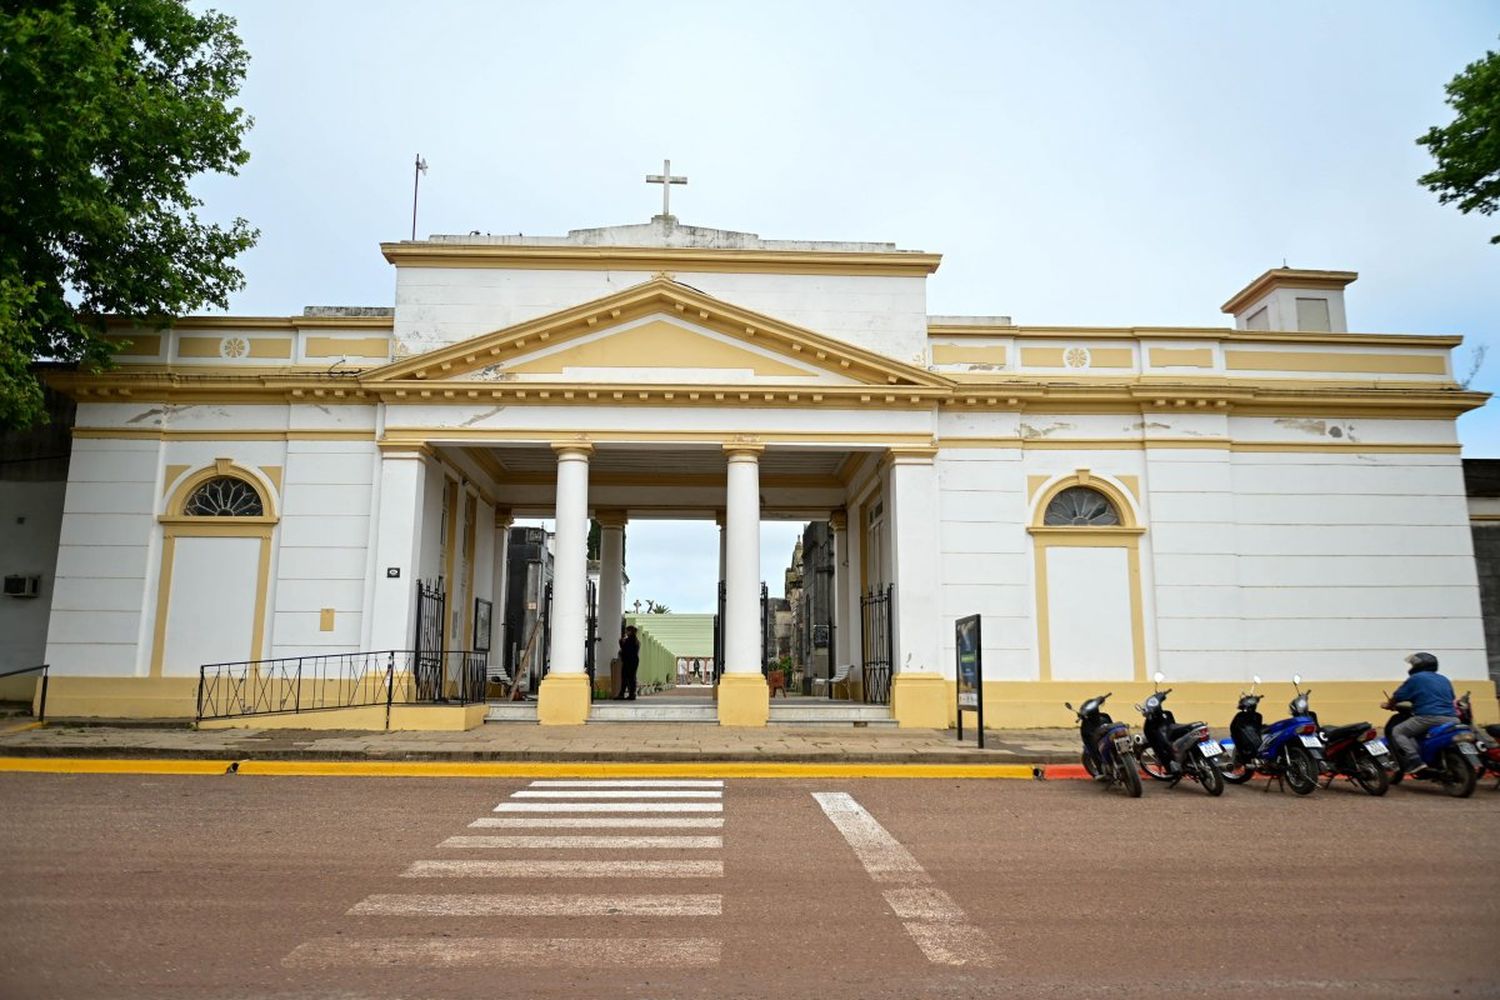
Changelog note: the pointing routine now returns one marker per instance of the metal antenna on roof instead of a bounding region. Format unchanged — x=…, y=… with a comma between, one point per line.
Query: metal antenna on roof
x=416, y=178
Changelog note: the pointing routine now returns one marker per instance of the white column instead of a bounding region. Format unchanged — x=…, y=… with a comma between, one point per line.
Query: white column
x=403, y=488
x=570, y=576
x=611, y=591
x=918, y=691
x=500, y=587
x=839, y=522
x=742, y=563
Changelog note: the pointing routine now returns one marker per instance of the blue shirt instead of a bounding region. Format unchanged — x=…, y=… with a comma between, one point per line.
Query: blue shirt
x=1429, y=693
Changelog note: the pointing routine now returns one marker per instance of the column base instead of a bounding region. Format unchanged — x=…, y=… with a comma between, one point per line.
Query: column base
x=920, y=701
x=563, y=700
x=744, y=700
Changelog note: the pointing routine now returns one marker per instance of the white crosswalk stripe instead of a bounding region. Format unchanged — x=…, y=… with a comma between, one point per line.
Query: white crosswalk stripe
x=575, y=842
x=599, y=822
x=588, y=807
x=565, y=869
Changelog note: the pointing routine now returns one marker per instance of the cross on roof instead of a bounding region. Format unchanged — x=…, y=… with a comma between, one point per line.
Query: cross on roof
x=666, y=180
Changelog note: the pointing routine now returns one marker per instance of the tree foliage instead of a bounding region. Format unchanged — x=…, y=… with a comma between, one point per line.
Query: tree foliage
x=108, y=110
x=1467, y=149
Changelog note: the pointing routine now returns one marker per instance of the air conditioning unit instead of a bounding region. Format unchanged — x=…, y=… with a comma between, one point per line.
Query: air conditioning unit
x=23, y=586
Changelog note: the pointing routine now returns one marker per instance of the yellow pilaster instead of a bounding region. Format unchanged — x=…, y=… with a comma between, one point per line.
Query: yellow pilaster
x=563, y=700
x=744, y=700
x=920, y=701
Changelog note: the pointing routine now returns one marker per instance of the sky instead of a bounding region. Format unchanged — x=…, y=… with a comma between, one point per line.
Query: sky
x=1075, y=163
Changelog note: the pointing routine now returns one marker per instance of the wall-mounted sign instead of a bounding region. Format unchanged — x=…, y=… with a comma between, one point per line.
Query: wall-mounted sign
x=393, y=572
x=970, y=672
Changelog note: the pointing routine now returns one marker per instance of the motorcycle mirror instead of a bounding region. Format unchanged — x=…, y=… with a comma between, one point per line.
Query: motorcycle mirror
x=1158, y=677
x=1067, y=704
x=1256, y=679
x=1296, y=680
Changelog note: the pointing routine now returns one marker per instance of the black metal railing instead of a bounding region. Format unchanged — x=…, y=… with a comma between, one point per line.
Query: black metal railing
x=879, y=645
x=341, y=680
x=41, y=702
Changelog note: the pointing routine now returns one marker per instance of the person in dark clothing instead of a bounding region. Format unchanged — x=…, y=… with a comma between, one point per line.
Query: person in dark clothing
x=630, y=662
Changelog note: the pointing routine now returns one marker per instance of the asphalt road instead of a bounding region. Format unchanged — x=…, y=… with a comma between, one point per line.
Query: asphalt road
x=242, y=886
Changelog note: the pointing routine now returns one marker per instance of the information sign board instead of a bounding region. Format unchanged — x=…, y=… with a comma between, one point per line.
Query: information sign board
x=970, y=672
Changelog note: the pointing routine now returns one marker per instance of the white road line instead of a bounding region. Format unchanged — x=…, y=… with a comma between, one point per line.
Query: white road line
x=612, y=843
x=615, y=793
x=612, y=807
x=881, y=854
x=933, y=920
x=565, y=869
x=644, y=783
x=539, y=905
x=601, y=822
x=341, y=952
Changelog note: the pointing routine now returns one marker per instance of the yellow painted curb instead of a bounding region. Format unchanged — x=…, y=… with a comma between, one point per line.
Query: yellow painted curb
x=86, y=765
x=461, y=769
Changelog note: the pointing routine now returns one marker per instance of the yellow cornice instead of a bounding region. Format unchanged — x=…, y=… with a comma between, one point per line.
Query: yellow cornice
x=656, y=295
x=122, y=324
x=625, y=258
x=1287, y=277
x=1208, y=333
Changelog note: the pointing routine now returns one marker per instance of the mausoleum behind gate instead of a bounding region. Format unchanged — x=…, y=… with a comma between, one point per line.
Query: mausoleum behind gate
x=1271, y=496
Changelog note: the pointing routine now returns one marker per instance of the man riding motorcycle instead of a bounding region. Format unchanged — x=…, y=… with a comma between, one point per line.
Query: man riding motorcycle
x=1432, y=701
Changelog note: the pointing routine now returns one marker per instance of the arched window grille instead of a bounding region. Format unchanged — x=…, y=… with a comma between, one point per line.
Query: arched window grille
x=1081, y=507
x=224, y=496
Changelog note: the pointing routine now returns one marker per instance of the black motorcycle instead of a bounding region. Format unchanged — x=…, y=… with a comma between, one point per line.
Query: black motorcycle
x=1355, y=752
x=1108, y=750
x=1172, y=750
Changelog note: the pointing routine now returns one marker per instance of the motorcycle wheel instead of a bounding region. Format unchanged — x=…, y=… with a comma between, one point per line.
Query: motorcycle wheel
x=1130, y=775
x=1237, y=773
x=1301, y=770
x=1153, y=767
x=1090, y=766
x=1369, y=775
x=1210, y=778
x=1458, y=774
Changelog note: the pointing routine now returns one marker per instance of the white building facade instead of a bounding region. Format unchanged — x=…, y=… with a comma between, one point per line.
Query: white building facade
x=1274, y=497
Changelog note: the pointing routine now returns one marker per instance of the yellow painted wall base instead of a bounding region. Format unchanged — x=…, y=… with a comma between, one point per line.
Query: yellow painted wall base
x=563, y=700
x=921, y=701
x=22, y=688
x=121, y=697
x=744, y=700
x=1039, y=704
x=368, y=718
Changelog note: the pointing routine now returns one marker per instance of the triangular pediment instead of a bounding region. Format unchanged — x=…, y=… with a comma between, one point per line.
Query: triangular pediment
x=657, y=331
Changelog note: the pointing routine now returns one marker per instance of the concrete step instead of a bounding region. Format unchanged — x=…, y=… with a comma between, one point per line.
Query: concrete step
x=811, y=712
x=653, y=711
x=511, y=711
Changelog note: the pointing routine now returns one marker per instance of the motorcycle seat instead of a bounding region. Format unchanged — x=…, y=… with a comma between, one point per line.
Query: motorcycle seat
x=1493, y=729
x=1337, y=733
x=1181, y=729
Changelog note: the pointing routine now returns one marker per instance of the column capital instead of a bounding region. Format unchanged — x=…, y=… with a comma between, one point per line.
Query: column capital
x=610, y=517
x=573, y=449
x=838, y=520
x=912, y=456
x=504, y=517
x=743, y=449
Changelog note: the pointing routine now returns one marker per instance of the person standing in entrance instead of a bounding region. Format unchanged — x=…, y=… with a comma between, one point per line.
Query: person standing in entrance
x=630, y=662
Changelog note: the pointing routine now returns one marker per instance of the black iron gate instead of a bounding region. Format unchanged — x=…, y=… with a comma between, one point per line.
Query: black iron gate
x=591, y=634
x=427, y=663
x=879, y=644
x=719, y=636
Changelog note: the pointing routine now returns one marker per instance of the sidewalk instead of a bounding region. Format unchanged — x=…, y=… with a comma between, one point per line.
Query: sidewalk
x=616, y=743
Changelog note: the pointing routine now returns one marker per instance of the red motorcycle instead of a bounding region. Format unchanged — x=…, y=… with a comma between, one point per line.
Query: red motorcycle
x=1489, y=743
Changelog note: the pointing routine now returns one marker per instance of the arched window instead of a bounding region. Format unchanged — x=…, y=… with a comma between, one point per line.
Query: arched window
x=1079, y=506
x=224, y=496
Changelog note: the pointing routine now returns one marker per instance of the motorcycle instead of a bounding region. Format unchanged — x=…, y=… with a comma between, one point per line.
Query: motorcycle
x=1171, y=751
x=1288, y=750
x=1489, y=748
x=1108, y=750
x=1449, y=751
x=1355, y=752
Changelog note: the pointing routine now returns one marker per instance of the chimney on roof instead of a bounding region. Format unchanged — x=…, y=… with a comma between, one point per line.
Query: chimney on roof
x=1290, y=298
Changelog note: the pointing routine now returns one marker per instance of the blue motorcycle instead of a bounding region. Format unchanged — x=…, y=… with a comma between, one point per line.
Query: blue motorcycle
x=1450, y=751
x=1108, y=750
x=1288, y=750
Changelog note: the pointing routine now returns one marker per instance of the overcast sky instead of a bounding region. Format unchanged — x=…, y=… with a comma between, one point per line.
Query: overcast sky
x=1088, y=163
